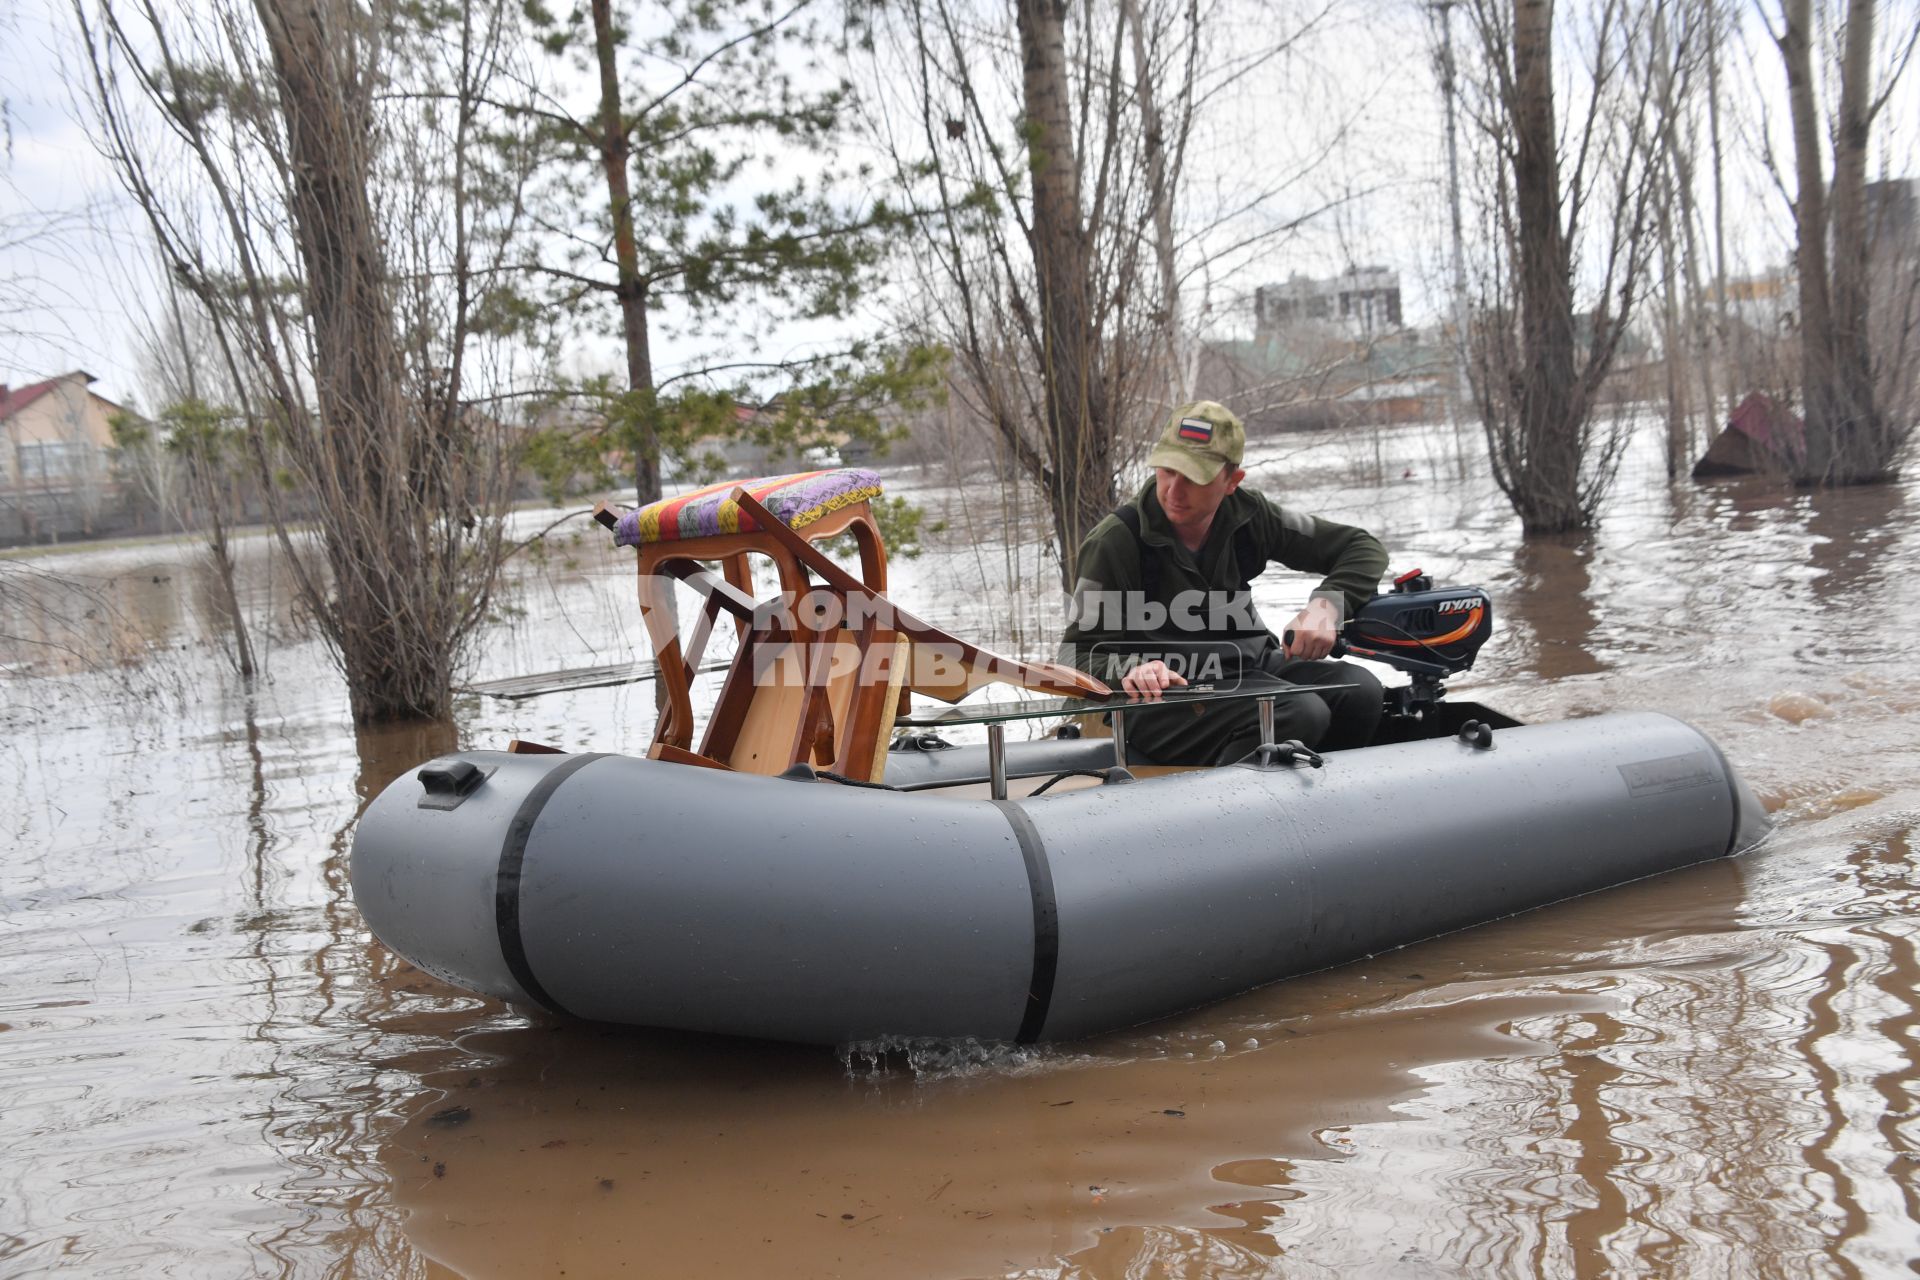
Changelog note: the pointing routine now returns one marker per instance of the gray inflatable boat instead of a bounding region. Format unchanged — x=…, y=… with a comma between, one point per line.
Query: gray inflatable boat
x=657, y=894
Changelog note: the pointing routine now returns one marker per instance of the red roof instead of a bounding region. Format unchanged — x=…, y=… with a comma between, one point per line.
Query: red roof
x=18, y=399
x=21, y=397
x=1769, y=425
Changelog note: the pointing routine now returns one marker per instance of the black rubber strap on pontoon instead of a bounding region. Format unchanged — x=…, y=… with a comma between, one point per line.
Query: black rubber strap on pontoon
x=1046, y=921
x=506, y=891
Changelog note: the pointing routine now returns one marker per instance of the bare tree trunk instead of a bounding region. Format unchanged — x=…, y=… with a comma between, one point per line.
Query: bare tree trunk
x=1847, y=442
x=1550, y=501
x=1810, y=226
x=1080, y=481
x=1076, y=415
x=1719, y=207
x=394, y=664
x=1066, y=307
x=1538, y=383
x=616, y=154
x=1860, y=450
x=223, y=565
x=375, y=455
x=1673, y=366
x=204, y=480
x=1450, y=92
x=1160, y=195
x=1672, y=199
x=1703, y=346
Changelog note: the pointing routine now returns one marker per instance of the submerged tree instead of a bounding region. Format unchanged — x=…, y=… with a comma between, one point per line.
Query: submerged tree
x=1569, y=199
x=1687, y=332
x=209, y=445
x=307, y=184
x=193, y=458
x=1035, y=248
x=1046, y=150
x=1857, y=392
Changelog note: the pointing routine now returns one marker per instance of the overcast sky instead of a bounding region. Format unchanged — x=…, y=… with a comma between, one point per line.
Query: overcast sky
x=75, y=272
x=78, y=294
x=67, y=252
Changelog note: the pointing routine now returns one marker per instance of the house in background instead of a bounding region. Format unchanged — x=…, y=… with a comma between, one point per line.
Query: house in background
x=56, y=458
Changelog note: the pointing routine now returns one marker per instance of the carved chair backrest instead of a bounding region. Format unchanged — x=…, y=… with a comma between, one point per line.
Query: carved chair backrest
x=821, y=670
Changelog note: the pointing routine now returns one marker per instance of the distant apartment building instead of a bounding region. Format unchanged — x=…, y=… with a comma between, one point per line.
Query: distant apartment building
x=1365, y=301
x=56, y=457
x=1769, y=303
x=1764, y=303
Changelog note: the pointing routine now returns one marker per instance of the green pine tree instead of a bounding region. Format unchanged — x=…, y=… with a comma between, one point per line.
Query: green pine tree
x=663, y=202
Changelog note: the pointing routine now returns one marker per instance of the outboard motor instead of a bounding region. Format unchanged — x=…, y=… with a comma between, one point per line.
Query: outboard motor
x=1430, y=633
x=1421, y=628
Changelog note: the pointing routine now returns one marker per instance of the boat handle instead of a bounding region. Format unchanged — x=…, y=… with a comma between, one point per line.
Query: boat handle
x=1291, y=752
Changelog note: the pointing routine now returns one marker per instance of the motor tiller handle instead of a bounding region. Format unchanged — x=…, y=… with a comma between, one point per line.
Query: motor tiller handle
x=1339, y=649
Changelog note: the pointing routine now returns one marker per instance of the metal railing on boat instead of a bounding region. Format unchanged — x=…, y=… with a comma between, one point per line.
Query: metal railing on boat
x=995, y=716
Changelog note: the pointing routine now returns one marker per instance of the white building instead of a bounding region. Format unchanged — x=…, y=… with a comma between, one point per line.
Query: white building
x=1364, y=300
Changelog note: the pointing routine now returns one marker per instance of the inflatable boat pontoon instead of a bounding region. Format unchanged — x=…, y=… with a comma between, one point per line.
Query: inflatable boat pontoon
x=1038, y=891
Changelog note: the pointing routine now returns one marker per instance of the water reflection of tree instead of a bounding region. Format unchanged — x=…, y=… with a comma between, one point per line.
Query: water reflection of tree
x=1862, y=1017
x=1598, y=1157
x=1730, y=1106
x=57, y=622
x=1850, y=535
x=1168, y=1251
x=1651, y=1112
x=1549, y=596
x=147, y=603
x=1737, y=504
x=326, y=1000
x=215, y=601
x=1854, y=1010
x=1647, y=1140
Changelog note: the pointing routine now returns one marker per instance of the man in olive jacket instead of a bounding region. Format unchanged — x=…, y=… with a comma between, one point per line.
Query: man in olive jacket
x=1163, y=600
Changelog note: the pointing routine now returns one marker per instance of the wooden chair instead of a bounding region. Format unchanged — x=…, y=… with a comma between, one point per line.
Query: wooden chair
x=822, y=669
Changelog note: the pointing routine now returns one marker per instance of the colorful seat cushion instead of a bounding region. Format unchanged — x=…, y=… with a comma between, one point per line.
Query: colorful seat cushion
x=798, y=500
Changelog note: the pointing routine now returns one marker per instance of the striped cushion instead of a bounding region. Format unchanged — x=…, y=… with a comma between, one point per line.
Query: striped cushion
x=799, y=500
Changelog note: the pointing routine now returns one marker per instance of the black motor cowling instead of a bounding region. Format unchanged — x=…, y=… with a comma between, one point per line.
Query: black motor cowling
x=1422, y=628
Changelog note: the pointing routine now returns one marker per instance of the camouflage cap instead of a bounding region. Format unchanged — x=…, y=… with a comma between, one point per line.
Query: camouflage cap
x=1201, y=438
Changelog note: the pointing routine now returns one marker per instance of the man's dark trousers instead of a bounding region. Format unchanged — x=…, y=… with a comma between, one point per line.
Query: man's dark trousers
x=1216, y=733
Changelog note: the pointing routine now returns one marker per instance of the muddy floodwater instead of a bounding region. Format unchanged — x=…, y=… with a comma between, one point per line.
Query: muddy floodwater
x=209, y=1068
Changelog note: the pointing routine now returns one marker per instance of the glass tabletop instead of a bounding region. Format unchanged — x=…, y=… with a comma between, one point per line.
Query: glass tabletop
x=1044, y=708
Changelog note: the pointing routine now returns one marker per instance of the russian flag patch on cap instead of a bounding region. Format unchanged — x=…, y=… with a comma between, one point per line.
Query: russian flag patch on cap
x=1199, y=430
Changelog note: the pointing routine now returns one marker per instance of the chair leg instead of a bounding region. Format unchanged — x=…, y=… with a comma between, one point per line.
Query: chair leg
x=656, y=610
